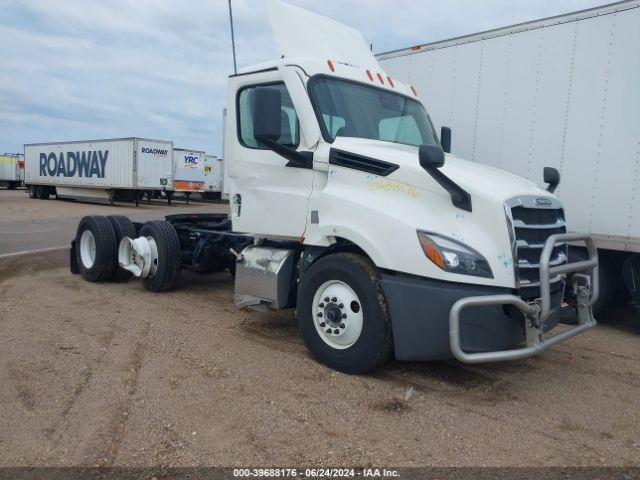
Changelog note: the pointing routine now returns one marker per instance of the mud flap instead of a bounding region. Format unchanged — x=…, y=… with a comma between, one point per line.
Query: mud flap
x=73, y=259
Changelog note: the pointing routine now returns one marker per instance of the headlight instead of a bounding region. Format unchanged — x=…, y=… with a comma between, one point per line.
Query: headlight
x=453, y=256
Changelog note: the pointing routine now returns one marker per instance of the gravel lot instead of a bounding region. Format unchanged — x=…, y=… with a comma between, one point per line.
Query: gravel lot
x=108, y=374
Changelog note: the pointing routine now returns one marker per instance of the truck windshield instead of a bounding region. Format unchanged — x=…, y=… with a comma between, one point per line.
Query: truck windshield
x=351, y=109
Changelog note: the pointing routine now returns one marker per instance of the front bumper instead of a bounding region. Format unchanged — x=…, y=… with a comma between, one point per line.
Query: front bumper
x=438, y=320
x=536, y=313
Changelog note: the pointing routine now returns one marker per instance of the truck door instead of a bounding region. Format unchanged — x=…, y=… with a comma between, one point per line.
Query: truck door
x=267, y=197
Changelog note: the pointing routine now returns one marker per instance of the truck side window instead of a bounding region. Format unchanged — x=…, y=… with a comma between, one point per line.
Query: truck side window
x=289, y=126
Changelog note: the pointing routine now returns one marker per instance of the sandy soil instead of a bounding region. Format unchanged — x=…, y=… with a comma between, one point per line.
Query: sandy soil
x=108, y=374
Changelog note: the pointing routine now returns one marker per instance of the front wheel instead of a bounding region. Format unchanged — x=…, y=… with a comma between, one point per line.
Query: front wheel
x=342, y=314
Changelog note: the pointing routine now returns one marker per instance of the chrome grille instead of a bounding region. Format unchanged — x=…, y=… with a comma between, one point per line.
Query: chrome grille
x=533, y=220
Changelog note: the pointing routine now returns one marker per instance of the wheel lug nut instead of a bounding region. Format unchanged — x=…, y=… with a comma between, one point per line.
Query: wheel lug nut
x=342, y=325
x=328, y=330
x=344, y=315
x=336, y=331
x=322, y=324
x=326, y=299
x=320, y=314
x=341, y=305
x=334, y=299
x=321, y=305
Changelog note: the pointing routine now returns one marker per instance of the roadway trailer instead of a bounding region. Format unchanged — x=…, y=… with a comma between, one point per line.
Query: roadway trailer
x=11, y=170
x=560, y=92
x=345, y=207
x=108, y=170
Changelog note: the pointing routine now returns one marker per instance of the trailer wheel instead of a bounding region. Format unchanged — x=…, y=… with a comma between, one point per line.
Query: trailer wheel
x=122, y=227
x=96, y=248
x=33, y=192
x=342, y=314
x=42, y=192
x=168, y=261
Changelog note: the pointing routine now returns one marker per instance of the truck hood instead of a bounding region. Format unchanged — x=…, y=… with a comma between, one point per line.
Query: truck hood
x=304, y=34
x=477, y=179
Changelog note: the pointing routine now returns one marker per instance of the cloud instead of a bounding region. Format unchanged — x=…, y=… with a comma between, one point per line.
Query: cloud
x=79, y=69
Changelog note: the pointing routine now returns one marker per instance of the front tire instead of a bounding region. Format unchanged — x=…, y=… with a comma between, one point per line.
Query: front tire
x=342, y=314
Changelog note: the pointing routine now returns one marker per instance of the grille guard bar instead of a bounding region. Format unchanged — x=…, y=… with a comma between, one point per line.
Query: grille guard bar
x=536, y=313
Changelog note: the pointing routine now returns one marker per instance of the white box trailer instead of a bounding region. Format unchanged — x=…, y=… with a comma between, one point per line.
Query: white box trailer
x=111, y=170
x=213, y=177
x=11, y=170
x=560, y=92
x=188, y=170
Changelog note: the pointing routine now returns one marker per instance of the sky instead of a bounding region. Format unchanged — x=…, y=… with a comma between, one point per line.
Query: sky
x=89, y=69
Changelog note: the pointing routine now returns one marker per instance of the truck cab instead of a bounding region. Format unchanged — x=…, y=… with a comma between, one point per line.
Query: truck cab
x=345, y=206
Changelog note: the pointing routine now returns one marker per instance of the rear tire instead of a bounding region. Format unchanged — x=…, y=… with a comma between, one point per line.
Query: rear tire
x=33, y=192
x=355, y=295
x=96, y=248
x=168, y=245
x=122, y=227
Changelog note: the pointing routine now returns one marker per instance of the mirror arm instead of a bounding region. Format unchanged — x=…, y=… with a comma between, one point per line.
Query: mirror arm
x=459, y=196
x=296, y=159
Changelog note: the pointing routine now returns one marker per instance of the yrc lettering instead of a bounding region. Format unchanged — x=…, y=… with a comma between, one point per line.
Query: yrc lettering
x=190, y=161
x=91, y=163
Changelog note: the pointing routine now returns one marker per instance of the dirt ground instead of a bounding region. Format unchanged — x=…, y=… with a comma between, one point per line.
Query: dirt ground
x=111, y=375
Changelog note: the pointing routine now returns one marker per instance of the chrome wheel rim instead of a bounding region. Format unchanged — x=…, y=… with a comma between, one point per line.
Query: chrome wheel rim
x=337, y=314
x=87, y=249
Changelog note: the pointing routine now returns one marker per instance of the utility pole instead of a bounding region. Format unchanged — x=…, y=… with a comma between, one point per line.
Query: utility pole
x=233, y=40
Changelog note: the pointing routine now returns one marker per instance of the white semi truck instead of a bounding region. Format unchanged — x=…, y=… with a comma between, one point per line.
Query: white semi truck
x=345, y=207
x=560, y=92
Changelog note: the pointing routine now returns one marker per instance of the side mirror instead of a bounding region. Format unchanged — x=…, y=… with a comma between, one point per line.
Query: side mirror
x=552, y=177
x=445, y=139
x=431, y=156
x=266, y=107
